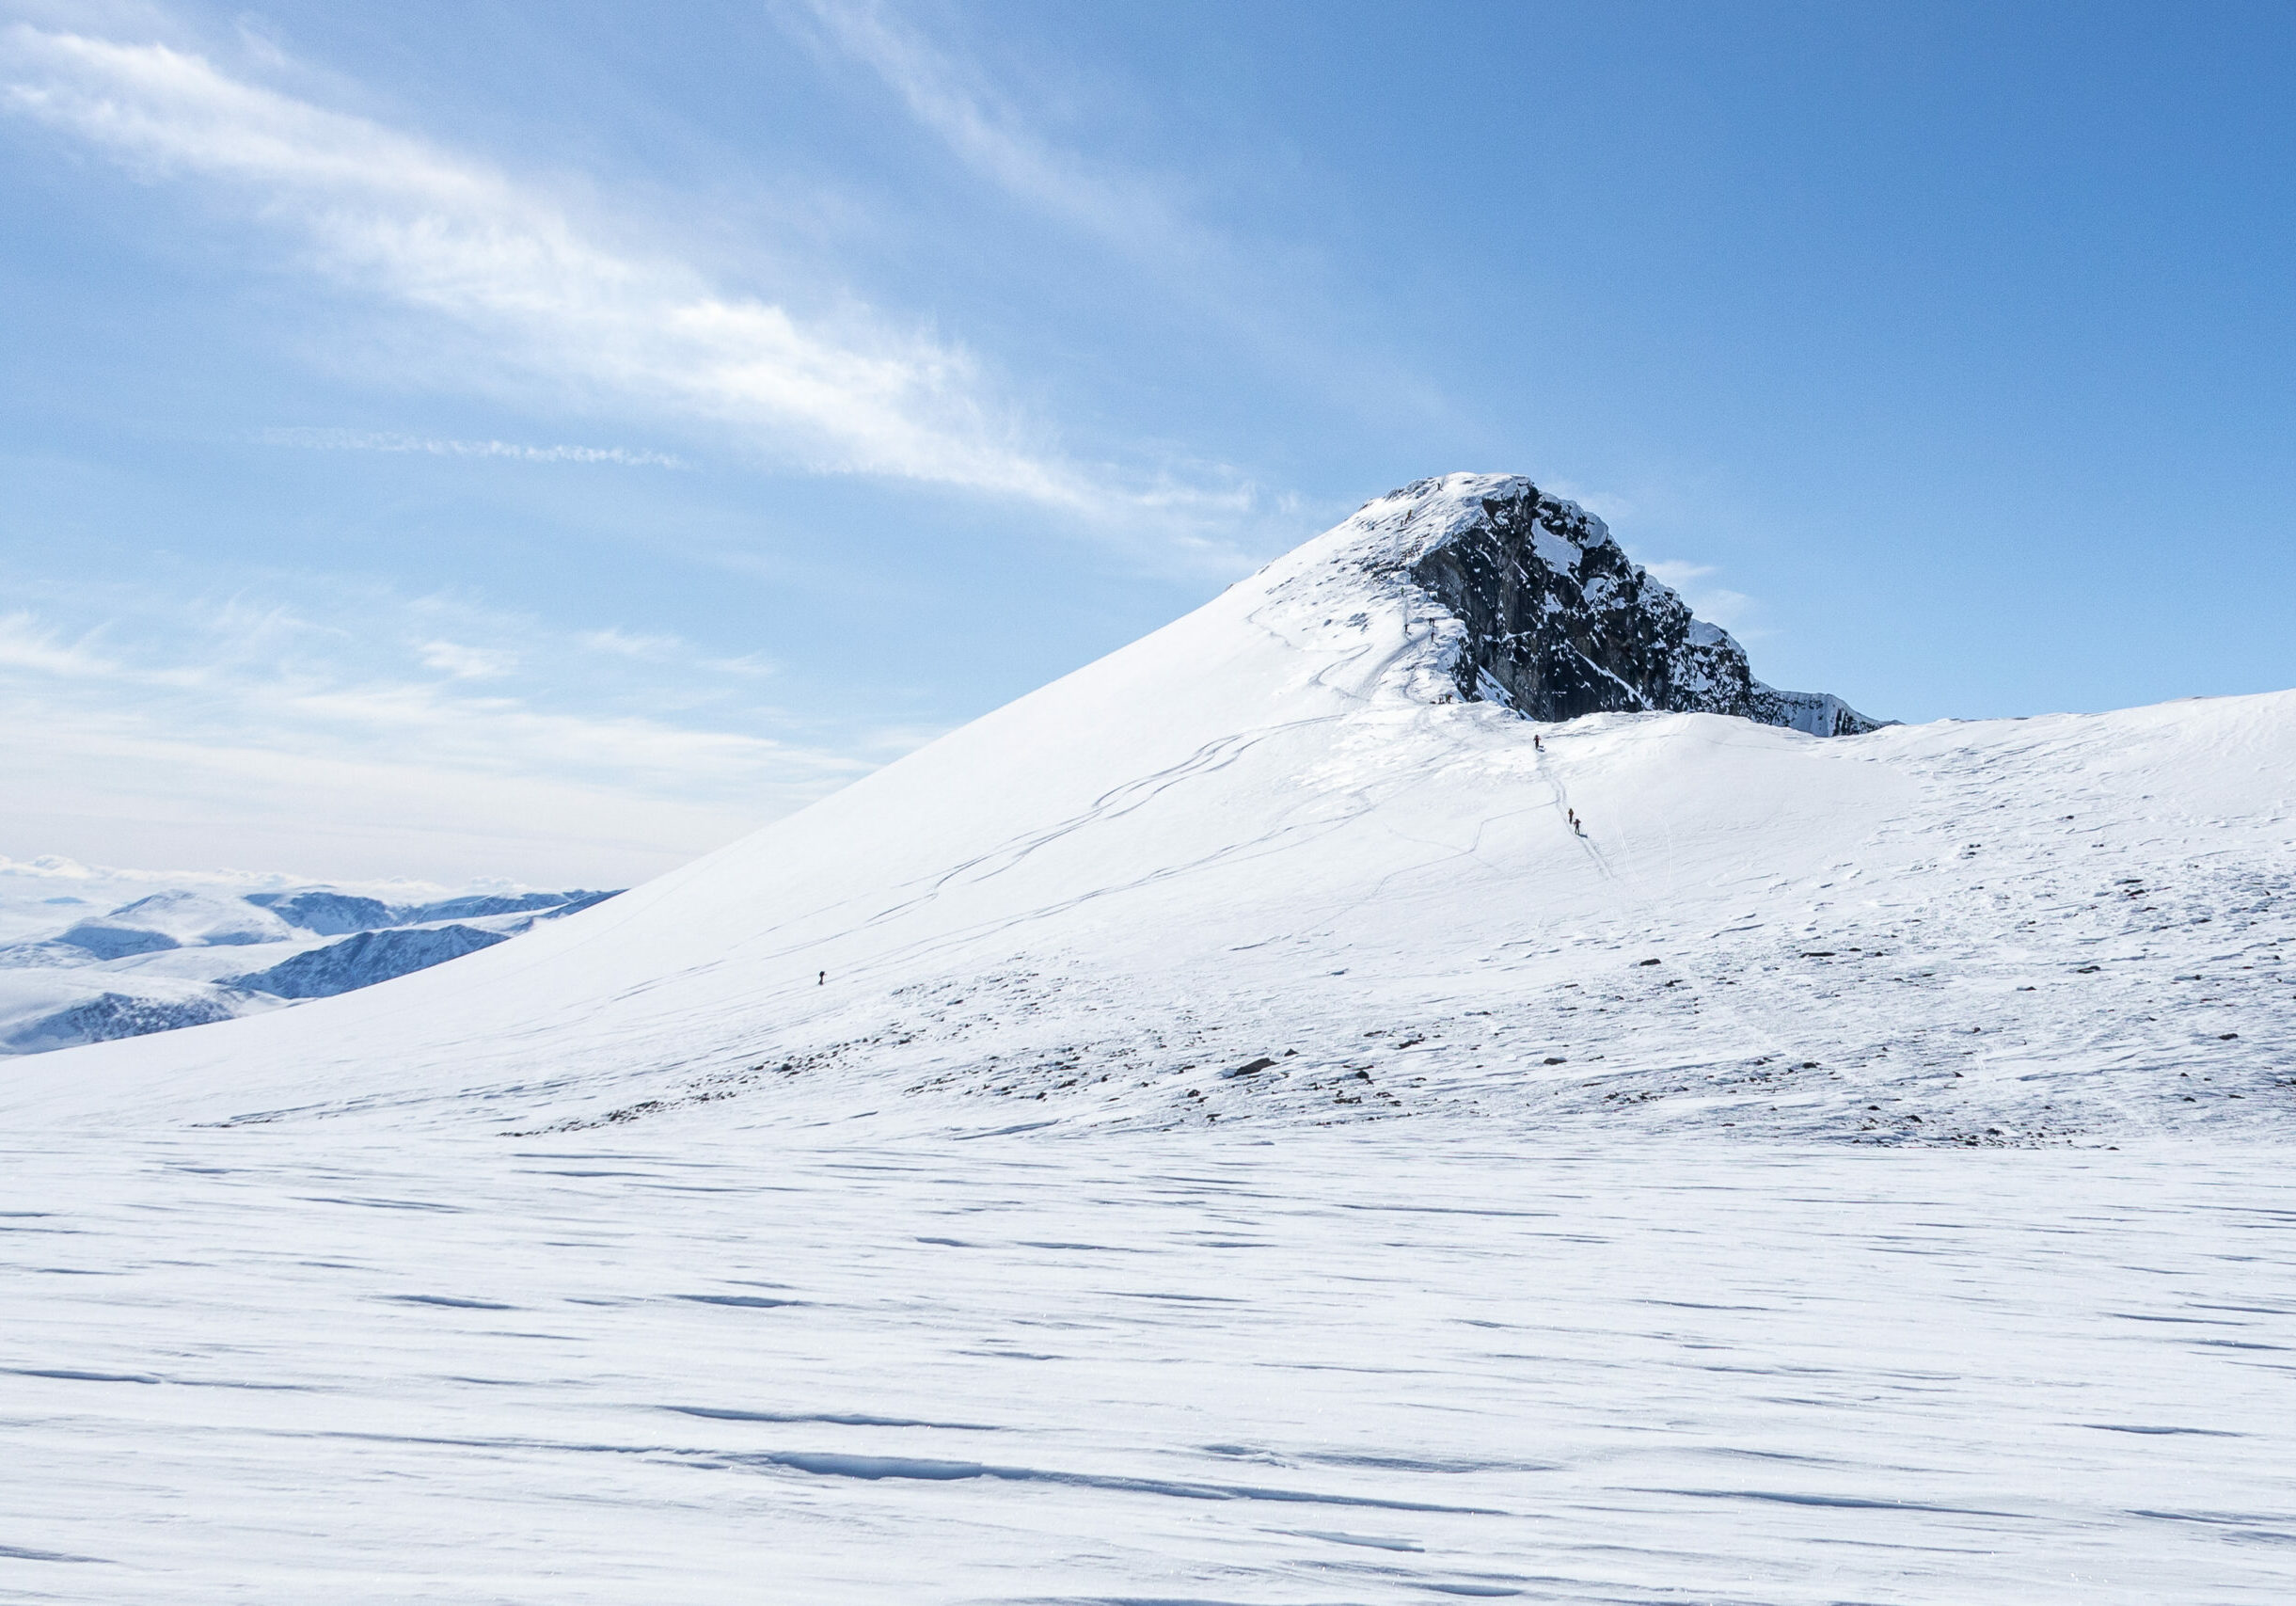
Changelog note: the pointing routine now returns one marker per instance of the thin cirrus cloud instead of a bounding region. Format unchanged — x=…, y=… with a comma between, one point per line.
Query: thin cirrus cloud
x=383, y=440
x=461, y=662
x=264, y=676
x=1253, y=291
x=421, y=226
x=960, y=107
x=628, y=644
x=386, y=733
x=1732, y=610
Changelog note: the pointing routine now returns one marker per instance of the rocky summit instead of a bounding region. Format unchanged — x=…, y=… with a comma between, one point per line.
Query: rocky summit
x=1556, y=621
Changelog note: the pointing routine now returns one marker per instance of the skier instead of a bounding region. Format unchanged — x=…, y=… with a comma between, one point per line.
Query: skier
x=1537, y=745
x=823, y=980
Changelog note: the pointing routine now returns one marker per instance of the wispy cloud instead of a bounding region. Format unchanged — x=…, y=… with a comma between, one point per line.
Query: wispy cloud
x=1732, y=610
x=983, y=128
x=298, y=701
x=424, y=719
x=25, y=642
x=1263, y=292
x=30, y=888
x=371, y=440
x=628, y=644
x=422, y=227
x=464, y=662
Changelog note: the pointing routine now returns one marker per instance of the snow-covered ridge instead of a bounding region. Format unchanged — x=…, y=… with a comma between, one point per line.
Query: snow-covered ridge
x=1552, y=618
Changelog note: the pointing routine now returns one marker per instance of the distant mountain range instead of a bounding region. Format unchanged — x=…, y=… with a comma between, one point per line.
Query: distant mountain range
x=188, y=956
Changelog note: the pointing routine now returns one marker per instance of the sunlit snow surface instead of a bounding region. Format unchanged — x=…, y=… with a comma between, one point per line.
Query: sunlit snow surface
x=1347, y=1367
x=1213, y=1132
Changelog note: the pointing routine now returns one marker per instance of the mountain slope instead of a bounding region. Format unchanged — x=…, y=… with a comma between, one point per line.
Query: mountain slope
x=1265, y=866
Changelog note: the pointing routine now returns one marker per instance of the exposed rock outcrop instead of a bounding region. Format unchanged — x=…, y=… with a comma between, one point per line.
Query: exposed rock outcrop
x=1556, y=621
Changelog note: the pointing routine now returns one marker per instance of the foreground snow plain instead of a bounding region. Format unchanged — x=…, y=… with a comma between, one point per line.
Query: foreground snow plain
x=1352, y=1365
x=1246, y=1148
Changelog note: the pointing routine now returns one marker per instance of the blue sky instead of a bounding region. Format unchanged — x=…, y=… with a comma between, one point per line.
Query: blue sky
x=545, y=440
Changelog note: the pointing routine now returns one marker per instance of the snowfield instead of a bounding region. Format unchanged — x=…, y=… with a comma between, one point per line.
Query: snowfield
x=1213, y=1130
x=1390, y=1365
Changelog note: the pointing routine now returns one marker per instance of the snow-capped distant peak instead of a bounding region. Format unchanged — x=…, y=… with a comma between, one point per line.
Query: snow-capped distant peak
x=177, y=919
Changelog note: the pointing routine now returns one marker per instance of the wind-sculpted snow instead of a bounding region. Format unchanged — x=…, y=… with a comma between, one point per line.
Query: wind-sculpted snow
x=1355, y=1366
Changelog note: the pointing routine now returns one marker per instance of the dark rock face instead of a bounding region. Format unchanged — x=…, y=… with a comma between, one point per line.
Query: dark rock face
x=366, y=958
x=1561, y=622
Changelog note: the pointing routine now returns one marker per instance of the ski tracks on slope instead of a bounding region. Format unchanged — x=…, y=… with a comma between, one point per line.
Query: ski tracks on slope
x=1637, y=905
x=1544, y=766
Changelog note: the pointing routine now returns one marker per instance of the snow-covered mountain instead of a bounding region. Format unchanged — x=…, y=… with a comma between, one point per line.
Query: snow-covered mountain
x=1268, y=863
x=173, y=920
x=1214, y=1130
